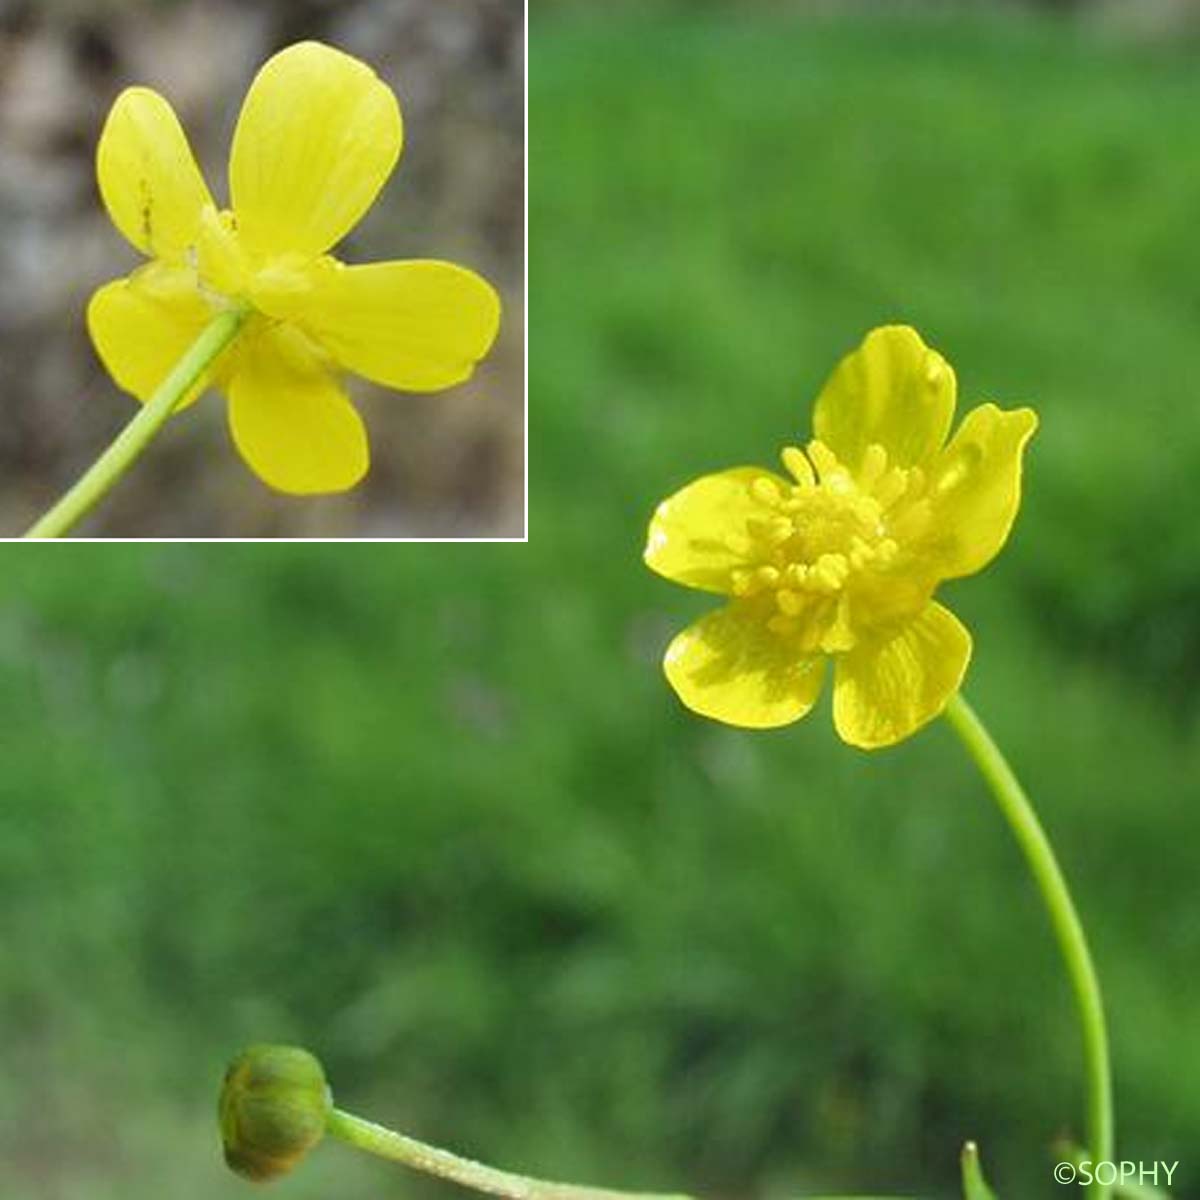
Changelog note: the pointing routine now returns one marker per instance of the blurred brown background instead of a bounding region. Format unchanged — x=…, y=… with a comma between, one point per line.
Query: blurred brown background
x=447, y=465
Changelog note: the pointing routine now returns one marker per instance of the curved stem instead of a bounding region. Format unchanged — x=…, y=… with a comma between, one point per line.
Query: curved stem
x=100, y=477
x=375, y=1139
x=420, y=1156
x=1023, y=821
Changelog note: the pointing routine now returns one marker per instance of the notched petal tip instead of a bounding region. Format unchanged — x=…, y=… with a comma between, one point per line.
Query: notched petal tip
x=975, y=489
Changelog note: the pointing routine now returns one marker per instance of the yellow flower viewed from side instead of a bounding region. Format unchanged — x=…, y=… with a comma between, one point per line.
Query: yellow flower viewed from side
x=318, y=135
x=840, y=559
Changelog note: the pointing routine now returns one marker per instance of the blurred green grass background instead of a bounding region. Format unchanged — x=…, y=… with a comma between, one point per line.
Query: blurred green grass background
x=433, y=812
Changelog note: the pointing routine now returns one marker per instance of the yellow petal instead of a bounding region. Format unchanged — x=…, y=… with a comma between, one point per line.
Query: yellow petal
x=730, y=667
x=318, y=135
x=419, y=326
x=883, y=692
x=975, y=489
x=893, y=391
x=290, y=419
x=142, y=325
x=698, y=535
x=148, y=177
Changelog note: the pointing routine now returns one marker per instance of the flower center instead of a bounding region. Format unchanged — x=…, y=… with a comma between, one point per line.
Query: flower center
x=224, y=267
x=220, y=260
x=824, y=560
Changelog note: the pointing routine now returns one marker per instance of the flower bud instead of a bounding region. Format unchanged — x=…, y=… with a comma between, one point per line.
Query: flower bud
x=273, y=1109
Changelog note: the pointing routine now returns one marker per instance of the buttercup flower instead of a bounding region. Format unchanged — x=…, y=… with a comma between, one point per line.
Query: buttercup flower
x=319, y=134
x=841, y=560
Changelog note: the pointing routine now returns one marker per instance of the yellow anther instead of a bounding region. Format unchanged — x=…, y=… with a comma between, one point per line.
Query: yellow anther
x=791, y=604
x=774, y=530
x=823, y=460
x=798, y=466
x=860, y=553
x=886, y=552
x=741, y=582
x=831, y=571
x=783, y=625
x=891, y=487
x=809, y=639
x=766, y=490
x=874, y=464
x=780, y=530
x=866, y=510
x=797, y=574
x=766, y=576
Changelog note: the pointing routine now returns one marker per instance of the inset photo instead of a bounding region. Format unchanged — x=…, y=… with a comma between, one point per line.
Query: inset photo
x=262, y=270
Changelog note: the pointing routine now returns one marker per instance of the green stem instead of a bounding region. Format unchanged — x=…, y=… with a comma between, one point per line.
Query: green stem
x=100, y=477
x=1072, y=942
x=386, y=1143
x=375, y=1139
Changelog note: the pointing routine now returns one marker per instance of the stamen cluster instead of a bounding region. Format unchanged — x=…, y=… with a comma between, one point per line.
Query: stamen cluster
x=828, y=543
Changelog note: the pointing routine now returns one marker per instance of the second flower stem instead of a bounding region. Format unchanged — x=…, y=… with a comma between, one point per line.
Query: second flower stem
x=1064, y=917
x=100, y=477
x=386, y=1143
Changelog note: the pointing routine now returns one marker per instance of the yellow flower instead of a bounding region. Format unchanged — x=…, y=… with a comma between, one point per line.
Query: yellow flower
x=841, y=560
x=318, y=136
